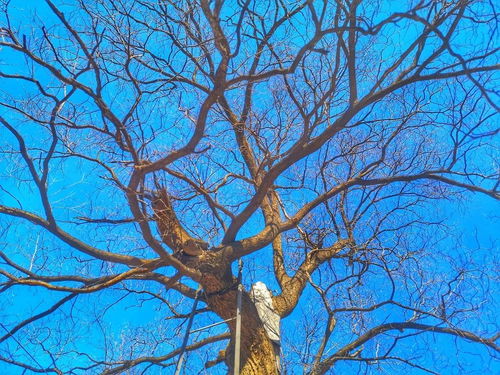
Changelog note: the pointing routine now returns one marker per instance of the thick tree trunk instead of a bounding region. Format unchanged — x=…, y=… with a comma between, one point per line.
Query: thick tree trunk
x=257, y=352
x=258, y=356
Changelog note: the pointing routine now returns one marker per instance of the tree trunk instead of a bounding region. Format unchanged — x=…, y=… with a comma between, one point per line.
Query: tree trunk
x=257, y=350
x=258, y=355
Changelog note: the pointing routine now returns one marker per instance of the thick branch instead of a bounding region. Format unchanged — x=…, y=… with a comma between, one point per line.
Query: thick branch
x=171, y=230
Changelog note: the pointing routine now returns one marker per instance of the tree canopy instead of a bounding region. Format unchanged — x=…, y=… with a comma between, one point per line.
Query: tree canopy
x=336, y=147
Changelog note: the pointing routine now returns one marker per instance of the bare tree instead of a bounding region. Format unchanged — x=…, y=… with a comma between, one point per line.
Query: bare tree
x=147, y=145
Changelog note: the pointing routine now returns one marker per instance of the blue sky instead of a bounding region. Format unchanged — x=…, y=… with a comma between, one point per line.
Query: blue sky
x=129, y=320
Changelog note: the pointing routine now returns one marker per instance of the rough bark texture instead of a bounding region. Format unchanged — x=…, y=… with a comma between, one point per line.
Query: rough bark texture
x=257, y=351
x=220, y=286
x=220, y=293
x=172, y=232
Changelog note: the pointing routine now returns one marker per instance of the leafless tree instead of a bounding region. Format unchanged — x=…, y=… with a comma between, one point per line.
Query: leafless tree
x=147, y=145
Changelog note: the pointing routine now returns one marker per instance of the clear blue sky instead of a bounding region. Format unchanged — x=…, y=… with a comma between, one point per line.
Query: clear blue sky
x=126, y=320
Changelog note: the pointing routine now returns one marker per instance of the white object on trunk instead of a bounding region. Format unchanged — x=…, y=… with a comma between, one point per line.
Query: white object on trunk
x=262, y=298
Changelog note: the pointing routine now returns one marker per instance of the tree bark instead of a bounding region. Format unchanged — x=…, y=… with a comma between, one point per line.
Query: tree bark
x=257, y=354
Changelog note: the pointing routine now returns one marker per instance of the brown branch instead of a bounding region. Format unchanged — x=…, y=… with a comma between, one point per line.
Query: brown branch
x=248, y=245
x=344, y=352
x=171, y=230
x=98, y=283
x=129, y=364
x=29, y=367
x=72, y=241
x=285, y=302
x=43, y=314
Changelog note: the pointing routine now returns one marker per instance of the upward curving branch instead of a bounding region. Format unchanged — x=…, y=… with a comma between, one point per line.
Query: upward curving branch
x=171, y=230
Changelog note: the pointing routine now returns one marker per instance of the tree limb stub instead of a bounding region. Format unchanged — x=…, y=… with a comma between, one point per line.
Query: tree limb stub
x=172, y=232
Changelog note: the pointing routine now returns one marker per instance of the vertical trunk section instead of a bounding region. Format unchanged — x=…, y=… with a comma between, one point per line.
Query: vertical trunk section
x=258, y=352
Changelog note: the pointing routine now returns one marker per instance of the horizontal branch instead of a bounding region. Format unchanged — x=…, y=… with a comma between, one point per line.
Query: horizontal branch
x=98, y=284
x=344, y=352
x=129, y=364
x=236, y=249
x=72, y=241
